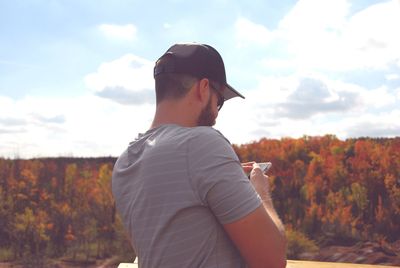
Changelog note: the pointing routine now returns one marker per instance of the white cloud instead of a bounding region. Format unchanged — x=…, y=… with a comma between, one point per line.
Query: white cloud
x=39, y=126
x=299, y=105
x=58, y=127
x=378, y=98
x=166, y=25
x=314, y=16
x=6, y=104
x=126, y=32
x=127, y=80
x=324, y=35
x=313, y=96
x=372, y=35
x=311, y=30
x=305, y=95
x=250, y=33
x=373, y=125
x=183, y=29
x=391, y=77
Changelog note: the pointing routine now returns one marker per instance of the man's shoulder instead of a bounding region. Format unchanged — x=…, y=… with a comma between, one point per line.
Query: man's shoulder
x=172, y=135
x=207, y=134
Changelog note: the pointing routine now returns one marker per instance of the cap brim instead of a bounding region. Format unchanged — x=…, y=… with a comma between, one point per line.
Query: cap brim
x=230, y=93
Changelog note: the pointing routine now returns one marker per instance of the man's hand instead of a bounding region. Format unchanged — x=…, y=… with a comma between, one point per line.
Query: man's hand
x=248, y=166
x=260, y=236
x=259, y=181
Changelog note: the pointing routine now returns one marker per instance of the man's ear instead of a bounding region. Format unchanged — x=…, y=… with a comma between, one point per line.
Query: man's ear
x=203, y=91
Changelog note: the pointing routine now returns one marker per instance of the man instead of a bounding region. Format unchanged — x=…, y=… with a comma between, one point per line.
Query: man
x=183, y=195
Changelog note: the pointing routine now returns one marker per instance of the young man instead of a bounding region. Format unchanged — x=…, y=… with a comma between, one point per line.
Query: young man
x=183, y=195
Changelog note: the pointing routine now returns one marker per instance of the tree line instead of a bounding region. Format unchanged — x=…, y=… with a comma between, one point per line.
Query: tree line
x=334, y=191
x=330, y=190
x=58, y=207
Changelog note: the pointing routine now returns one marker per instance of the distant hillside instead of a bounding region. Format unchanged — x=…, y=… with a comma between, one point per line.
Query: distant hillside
x=336, y=192
x=327, y=191
x=58, y=207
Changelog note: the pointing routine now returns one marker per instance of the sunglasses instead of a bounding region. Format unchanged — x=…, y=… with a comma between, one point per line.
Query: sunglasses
x=221, y=98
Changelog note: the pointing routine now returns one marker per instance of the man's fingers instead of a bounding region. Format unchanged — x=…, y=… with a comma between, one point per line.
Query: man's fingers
x=248, y=164
x=247, y=169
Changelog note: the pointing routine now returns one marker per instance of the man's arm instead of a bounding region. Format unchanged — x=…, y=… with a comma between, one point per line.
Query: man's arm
x=260, y=235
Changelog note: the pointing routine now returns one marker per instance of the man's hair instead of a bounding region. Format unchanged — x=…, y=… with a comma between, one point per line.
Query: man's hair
x=173, y=86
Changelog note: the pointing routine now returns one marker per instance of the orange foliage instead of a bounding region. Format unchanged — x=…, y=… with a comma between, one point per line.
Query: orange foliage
x=49, y=202
x=325, y=186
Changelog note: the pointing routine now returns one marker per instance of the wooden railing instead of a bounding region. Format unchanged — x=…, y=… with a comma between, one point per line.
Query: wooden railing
x=301, y=264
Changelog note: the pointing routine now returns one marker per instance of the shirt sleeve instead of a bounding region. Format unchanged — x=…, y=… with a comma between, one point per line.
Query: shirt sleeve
x=217, y=177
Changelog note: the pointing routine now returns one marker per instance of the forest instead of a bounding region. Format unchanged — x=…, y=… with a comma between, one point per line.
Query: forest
x=334, y=191
x=327, y=192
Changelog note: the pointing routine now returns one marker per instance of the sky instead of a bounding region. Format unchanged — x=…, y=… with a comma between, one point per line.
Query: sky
x=76, y=76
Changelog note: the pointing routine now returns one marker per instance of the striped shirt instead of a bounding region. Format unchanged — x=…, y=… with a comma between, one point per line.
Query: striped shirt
x=174, y=188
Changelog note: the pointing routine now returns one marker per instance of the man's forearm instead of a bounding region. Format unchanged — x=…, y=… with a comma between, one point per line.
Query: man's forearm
x=269, y=207
x=261, y=186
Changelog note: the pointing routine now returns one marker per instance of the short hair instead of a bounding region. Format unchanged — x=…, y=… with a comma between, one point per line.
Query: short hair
x=173, y=85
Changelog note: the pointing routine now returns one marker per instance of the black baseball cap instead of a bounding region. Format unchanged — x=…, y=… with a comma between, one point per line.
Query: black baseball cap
x=198, y=60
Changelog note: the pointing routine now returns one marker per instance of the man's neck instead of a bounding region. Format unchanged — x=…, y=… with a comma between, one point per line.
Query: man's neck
x=172, y=113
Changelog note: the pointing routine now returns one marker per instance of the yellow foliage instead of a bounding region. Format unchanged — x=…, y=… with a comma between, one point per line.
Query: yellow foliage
x=298, y=243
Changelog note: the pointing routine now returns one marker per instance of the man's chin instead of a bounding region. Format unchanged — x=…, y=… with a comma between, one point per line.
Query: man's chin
x=206, y=117
x=206, y=124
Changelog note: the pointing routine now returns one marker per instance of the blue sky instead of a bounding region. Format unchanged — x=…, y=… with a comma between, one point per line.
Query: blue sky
x=76, y=76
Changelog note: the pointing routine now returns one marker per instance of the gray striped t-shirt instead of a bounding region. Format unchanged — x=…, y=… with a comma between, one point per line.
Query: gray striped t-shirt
x=174, y=188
